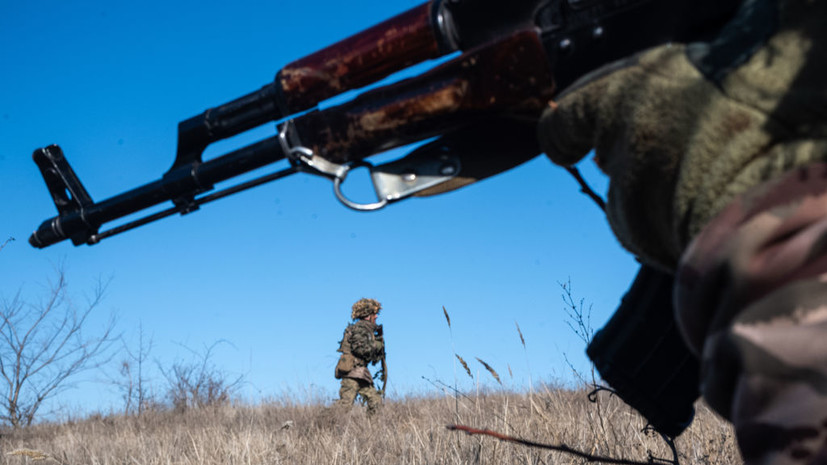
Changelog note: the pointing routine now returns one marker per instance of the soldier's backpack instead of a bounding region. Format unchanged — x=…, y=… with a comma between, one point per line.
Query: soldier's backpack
x=347, y=361
x=344, y=366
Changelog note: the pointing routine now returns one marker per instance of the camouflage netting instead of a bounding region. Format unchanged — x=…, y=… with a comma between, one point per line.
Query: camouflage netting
x=364, y=308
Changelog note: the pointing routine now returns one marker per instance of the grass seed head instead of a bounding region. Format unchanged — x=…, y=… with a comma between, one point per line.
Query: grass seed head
x=465, y=365
x=522, y=339
x=490, y=370
x=447, y=318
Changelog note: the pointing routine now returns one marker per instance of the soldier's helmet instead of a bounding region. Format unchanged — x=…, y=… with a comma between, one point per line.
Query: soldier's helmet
x=363, y=308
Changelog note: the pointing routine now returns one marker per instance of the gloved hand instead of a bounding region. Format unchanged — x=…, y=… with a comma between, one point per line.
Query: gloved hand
x=681, y=130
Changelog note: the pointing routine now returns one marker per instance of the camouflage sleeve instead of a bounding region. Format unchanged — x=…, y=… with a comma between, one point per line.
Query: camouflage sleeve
x=363, y=342
x=751, y=295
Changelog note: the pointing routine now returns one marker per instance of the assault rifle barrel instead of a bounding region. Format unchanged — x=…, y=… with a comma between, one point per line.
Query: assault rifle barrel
x=516, y=55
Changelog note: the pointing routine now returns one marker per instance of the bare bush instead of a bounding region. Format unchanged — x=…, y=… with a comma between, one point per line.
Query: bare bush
x=42, y=346
x=199, y=383
x=133, y=382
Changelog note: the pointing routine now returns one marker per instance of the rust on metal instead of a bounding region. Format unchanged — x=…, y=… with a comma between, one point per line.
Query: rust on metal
x=395, y=44
x=508, y=78
x=397, y=114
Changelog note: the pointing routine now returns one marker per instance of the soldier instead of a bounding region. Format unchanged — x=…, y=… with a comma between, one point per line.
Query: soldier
x=717, y=159
x=361, y=344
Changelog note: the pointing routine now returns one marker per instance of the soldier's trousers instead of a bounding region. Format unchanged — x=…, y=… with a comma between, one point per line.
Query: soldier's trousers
x=352, y=387
x=751, y=299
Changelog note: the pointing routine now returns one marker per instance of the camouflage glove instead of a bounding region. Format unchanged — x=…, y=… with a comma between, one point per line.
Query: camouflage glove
x=681, y=130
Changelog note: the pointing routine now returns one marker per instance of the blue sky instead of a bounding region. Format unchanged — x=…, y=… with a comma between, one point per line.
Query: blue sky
x=274, y=270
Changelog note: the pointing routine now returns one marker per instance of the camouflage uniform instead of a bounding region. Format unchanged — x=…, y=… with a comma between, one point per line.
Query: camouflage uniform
x=716, y=155
x=752, y=297
x=360, y=340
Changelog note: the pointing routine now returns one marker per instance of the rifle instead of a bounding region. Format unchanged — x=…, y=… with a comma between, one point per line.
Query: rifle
x=481, y=106
x=382, y=374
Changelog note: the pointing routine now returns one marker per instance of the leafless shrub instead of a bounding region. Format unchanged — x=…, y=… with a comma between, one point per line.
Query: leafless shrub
x=42, y=347
x=199, y=383
x=132, y=380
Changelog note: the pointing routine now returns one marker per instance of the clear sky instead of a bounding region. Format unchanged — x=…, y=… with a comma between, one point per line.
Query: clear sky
x=274, y=270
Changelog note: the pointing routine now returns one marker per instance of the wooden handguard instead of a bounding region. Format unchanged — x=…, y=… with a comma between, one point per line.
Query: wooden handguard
x=510, y=78
x=361, y=59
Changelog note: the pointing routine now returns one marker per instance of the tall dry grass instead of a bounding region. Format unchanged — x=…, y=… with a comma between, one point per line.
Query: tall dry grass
x=409, y=430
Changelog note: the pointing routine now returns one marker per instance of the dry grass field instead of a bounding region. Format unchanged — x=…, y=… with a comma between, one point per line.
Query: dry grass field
x=407, y=431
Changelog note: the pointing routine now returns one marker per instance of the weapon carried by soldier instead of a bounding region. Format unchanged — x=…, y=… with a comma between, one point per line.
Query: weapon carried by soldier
x=382, y=374
x=481, y=106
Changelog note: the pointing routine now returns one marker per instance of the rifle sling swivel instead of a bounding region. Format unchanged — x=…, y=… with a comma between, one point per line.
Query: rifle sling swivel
x=391, y=181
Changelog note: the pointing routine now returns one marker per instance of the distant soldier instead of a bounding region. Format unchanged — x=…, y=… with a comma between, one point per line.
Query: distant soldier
x=361, y=344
